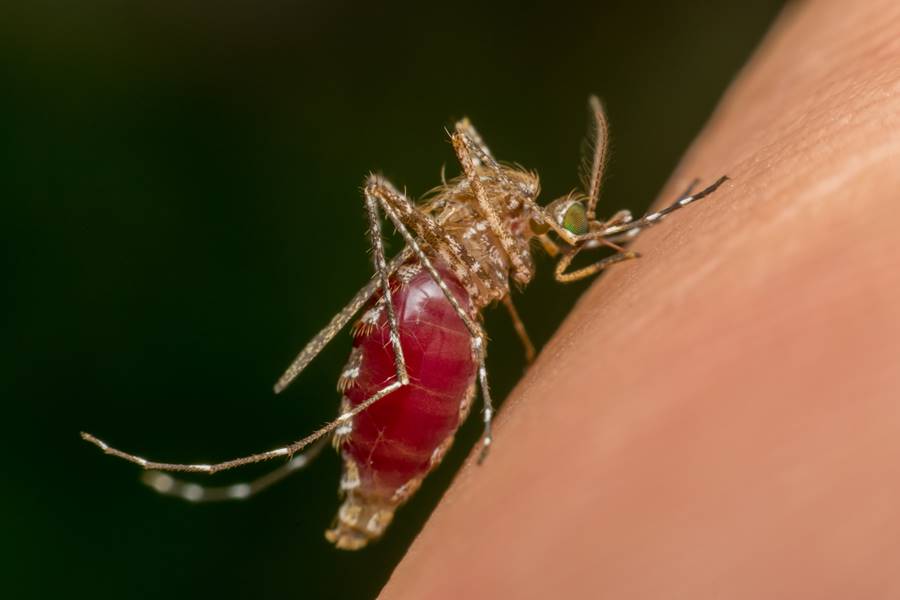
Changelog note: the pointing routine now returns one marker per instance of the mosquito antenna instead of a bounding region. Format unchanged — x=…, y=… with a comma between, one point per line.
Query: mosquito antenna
x=596, y=146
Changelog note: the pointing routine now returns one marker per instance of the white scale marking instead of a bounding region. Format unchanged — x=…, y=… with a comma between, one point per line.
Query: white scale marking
x=374, y=524
x=371, y=315
x=349, y=482
x=162, y=483
x=239, y=491
x=192, y=492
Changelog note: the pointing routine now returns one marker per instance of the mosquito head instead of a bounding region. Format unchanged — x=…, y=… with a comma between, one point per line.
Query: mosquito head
x=569, y=218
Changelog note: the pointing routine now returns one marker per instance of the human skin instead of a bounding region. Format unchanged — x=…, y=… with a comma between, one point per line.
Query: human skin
x=722, y=417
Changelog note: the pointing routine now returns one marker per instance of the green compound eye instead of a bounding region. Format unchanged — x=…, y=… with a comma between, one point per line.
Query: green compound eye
x=575, y=220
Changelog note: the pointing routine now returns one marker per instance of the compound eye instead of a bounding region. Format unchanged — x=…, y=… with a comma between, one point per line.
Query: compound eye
x=575, y=219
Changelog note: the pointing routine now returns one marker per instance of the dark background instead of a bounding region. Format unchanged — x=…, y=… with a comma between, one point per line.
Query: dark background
x=181, y=213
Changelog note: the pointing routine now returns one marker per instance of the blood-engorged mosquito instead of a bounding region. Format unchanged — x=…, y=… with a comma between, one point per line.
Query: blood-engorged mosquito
x=419, y=348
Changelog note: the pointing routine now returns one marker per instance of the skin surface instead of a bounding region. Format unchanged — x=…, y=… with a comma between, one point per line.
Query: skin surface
x=722, y=417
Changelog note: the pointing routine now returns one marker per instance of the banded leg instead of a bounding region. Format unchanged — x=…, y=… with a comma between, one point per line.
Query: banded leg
x=623, y=228
x=381, y=270
x=482, y=152
x=471, y=154
x=520, y=329
x=288, y=450
x=566, y=260
x=194, y=492
x=433, y=235
x=402, y=378
x=624, y=216
x=487, y=437
x=478, y=153
x=393, y=202
x=469, y=151
x=462, y=145
x=312, y=349
x=654, y=217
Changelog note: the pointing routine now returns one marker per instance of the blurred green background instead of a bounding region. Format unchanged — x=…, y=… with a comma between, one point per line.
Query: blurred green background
x=181, y=213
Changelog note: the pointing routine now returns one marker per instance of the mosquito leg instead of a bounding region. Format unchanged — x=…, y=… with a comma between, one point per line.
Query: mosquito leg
x=392, y=202
x=566, y=260
x=288, y=450
x=405, y=215
x=550, y=247
x=520, y=329
x=487, y=437
x=520, y=270
x=465, y=144
x=382, y=271
x=483, y=153
x=312, y=349
x=195, y=492
x=479, y=152
x=690, y=188
x=480, y=155
x=620, y=218
x=623, y=216
x=655, y=217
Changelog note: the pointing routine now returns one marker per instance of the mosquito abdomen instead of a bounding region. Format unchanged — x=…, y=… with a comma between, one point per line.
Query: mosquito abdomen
x=392, y=445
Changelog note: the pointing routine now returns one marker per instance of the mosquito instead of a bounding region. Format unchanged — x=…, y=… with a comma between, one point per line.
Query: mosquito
x=419, y=348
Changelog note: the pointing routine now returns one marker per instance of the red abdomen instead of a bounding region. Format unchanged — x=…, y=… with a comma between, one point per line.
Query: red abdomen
x=393, y=444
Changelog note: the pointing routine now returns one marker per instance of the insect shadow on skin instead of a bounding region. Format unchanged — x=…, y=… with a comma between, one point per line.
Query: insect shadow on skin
x=419, y=349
